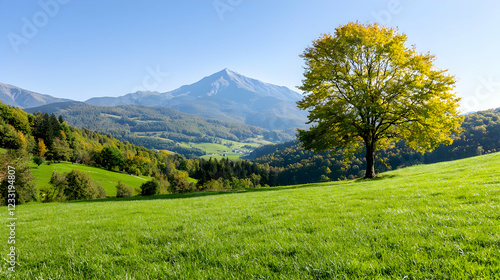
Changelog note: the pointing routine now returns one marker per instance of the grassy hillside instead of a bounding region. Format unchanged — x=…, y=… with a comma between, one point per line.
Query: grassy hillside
x=439, y=221
x=107, y=179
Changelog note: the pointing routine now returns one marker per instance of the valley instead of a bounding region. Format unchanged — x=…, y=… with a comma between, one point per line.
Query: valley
x=164, y=128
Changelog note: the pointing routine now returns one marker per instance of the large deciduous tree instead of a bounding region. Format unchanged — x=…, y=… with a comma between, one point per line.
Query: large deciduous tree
x=111, y=157
x=366, y=89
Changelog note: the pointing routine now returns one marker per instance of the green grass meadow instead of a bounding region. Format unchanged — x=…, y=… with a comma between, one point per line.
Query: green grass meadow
x=108, y=179
x=217, y=151
x=439, y=221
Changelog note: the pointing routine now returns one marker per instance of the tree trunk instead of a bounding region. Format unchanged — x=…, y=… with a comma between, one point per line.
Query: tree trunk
x=370, y=161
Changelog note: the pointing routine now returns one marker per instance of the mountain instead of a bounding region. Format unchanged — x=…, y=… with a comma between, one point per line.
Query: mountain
x=225, y=95
x=22, y=98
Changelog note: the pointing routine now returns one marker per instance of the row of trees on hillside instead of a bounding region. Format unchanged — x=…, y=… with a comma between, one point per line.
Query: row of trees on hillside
x=228, y=174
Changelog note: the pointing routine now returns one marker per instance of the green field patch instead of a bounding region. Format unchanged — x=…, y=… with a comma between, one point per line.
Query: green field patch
x=110, y=116
x=108, y=179
x=226, y=148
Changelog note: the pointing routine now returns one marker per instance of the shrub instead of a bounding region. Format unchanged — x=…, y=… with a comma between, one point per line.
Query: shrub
x=80, y=186
x=38, y=160
x=150, y=188
x=238, y=184
x=101, y=192
x=179, y=185
x=56, y=193
x=214, y=185
x=123, y=190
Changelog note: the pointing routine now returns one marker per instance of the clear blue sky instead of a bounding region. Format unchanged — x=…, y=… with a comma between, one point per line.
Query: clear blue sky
x=84, y=48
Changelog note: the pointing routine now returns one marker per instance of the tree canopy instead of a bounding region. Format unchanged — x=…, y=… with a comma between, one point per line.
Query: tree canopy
x=366, y=89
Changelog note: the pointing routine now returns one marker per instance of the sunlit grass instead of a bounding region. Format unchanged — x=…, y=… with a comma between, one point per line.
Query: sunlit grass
x=438, y=221
x=215, y=150
x=108, y=179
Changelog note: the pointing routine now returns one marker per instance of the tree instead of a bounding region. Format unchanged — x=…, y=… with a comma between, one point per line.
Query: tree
x=123, y=190
x=9, y=137
x=19, y=176
x=41, y=148
x=38, y=160
x=178, y=184
x=80, y=186
x=54, y=127
x=59, y=184
x=60, y=150
x=150, y=188
x=365, y=88
x=110, y=158
x=23, y=143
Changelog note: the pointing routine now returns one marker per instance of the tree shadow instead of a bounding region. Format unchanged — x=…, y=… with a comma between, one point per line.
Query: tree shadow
x=215, y=193
x=226, y=192
x=378, y=178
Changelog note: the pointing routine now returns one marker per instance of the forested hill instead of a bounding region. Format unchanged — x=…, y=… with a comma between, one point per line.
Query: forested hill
x=50, y=137
x=46, y=137
x=42, y=137
x=481, y=135
x=155, y=127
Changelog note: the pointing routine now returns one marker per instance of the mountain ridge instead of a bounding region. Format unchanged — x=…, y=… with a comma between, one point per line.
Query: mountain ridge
x=224, y=95
x=22, y=98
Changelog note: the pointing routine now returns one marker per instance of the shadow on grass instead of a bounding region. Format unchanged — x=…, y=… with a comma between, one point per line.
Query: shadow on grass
x=378, y=178
x=213, y=193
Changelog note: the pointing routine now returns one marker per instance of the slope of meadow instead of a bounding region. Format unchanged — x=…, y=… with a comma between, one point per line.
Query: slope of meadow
x=107, y=179
x=439, y=221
